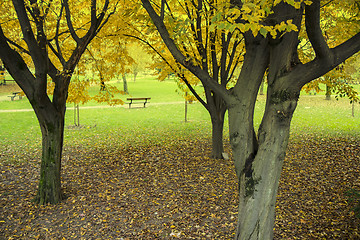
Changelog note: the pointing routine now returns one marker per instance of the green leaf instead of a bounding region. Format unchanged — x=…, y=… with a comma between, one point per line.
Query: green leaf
x=263, y=32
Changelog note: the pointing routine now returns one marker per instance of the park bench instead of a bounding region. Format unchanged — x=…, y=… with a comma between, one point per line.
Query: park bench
x=15, y=94
x=3, y=81
x=143, y=100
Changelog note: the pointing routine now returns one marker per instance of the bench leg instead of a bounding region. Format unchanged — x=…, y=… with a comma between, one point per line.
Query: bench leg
x=12, y=98
x=145, y=103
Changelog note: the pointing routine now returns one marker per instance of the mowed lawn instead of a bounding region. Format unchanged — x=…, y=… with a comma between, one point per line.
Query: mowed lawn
x=145, y=173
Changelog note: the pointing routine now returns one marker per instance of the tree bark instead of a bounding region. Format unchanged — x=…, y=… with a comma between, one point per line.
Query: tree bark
x=260, y=172
x=49, y=190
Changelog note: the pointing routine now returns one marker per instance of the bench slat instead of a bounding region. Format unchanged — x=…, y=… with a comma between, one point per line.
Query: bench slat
x=145, y=99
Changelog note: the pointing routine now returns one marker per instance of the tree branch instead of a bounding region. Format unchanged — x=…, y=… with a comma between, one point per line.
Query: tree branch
x=181, y=76
x=21, y=49
x=162, y=10
x=69, y=23
x=26, y=29
x=58, y=52
x=16, y=66
x=312, y=23
x=179, y=56
x=319, y=67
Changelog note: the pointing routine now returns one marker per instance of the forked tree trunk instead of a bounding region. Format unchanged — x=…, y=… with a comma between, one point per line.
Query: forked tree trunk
x=259, y=167
x=49, y=190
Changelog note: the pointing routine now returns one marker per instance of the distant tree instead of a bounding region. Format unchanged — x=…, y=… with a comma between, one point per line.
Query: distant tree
x=142, y=59
x=125, y=84
x=271, y=33
x=51, y=43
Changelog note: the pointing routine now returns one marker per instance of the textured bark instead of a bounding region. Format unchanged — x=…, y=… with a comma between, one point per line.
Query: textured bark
x=49, y=190
x=244, y=142
x=260, y=176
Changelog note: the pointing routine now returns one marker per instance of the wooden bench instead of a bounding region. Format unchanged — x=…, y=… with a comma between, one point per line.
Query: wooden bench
x=3, y=81
x=134, y=100
x=15, y=94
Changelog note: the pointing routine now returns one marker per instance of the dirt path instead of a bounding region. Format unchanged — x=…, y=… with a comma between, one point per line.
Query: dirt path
x=90, y=107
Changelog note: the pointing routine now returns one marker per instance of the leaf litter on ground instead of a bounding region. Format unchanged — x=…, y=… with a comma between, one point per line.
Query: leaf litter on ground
x=175, y=191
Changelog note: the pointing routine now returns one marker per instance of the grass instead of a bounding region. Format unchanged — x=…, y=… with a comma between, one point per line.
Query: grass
x=164, y=117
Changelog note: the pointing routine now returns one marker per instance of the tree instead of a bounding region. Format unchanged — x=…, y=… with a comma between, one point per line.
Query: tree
x=55, y=34
x=216, y=52
x=271, y=32
x=142, y=59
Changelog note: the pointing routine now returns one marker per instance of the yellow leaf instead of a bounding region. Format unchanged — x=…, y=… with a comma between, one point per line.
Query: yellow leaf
x=246, y=9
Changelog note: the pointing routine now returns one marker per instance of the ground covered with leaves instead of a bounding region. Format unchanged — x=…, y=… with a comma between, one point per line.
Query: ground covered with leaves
x=176, y=191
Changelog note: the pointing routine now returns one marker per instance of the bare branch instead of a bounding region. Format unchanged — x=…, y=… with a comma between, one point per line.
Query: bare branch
x=16, y=66
x=21, y=49
x=180, y=75
x=26, y=29
x=56, y=38
x=69, y=22
x=162, y=10
x=179, y=56
x=313, y=29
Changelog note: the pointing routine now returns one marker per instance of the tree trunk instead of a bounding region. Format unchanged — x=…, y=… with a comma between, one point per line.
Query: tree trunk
x=125, y=84
x=78, y=115
x=217, y=123
x=102, y=85
x=328, y=93
x=52, y=142
x=258, y=167
x=186, y=106
x=135, y=75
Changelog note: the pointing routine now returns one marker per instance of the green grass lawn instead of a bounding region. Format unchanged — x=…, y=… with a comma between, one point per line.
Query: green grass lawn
x=165, y=116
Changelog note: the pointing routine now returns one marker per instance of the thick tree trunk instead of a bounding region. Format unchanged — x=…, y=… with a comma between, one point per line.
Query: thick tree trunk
x=49, y=190
x=259, y=167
